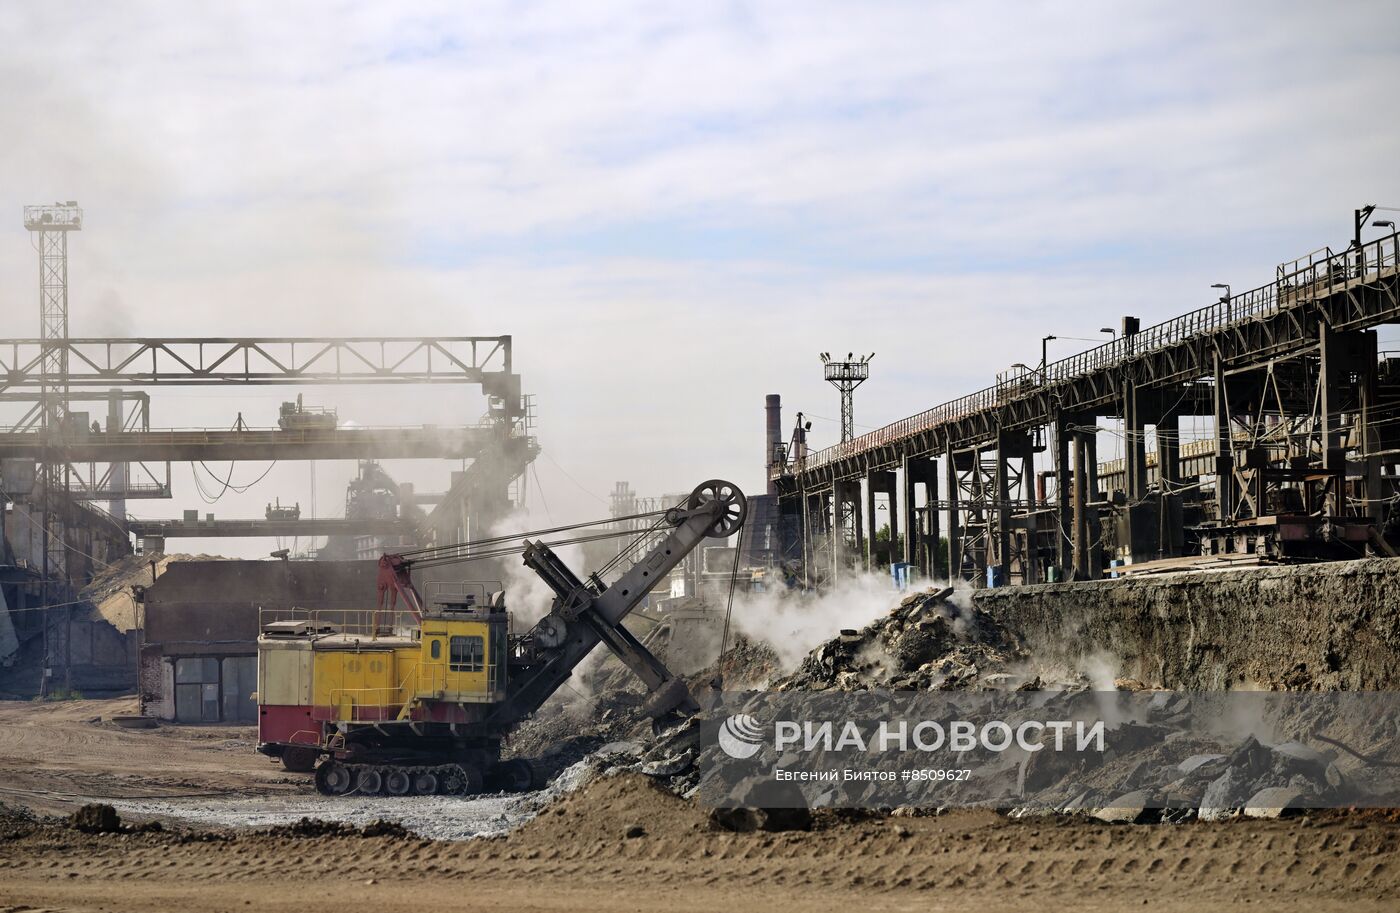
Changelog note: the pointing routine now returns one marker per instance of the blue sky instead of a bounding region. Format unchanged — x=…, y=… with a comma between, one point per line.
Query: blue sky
x=675, y=207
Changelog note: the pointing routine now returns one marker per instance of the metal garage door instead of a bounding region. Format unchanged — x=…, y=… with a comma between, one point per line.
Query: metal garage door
x=240, y=680
x=197, y=689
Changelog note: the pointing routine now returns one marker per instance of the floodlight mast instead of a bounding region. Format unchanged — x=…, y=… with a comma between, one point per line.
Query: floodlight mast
x=50, y=226
x=846, y=376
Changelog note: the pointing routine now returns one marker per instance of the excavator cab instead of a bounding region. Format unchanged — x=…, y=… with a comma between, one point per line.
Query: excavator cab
x=462, y=655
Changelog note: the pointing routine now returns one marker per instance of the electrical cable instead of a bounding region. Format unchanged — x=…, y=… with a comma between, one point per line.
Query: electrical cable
x=469, y=556
x=228, y=483
x=540, y=488
x=728, y=613
x=552, y=462
x=637, y=543
x=431, y=552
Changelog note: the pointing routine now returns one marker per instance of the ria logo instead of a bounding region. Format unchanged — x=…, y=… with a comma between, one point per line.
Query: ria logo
x=741, y=736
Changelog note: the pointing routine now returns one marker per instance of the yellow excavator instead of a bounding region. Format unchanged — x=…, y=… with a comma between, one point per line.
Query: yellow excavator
x=418, y=700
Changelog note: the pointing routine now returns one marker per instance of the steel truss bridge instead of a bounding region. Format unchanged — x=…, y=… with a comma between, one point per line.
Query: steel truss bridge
x=104, y=362
x=130, y=459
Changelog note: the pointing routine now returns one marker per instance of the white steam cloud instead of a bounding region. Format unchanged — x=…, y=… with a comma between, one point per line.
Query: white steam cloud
x=528, y=598
x=794, y=623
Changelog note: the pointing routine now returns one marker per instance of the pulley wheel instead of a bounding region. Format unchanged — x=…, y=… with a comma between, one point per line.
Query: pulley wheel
x=734, y=507
x=551, y=631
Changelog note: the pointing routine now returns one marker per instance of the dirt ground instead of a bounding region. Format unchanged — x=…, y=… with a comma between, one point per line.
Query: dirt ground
x=576, y=855
x=54, y=758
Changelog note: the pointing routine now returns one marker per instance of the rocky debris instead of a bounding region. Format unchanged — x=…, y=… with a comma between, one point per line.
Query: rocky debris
x=574, y=726
x=1131, y=808
x=316, y=827
x=1275, y=802
x=1156, y=769
x=1151, y=773
x=763, y=804
x=602, y=811
x=746, y=664
x=745, y=819
x=385, y=828
x=1160, y=764
x=925, y=643
x=96, y=818
x=671, y=760
x=15, y=822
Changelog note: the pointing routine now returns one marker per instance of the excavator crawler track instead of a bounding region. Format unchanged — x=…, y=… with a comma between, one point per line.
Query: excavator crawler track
x=336, y=778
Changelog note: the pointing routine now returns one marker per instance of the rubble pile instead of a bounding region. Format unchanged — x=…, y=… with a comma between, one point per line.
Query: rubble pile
x=613, y=709
x=925, y=643
x=574, y=726
x=1156, y=768
x=1164, y=760
x=316, y=828
x=1164, y=769
x=111, y=591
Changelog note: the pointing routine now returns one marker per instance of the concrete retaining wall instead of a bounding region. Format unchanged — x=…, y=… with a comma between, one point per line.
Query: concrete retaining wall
x=1327, y=626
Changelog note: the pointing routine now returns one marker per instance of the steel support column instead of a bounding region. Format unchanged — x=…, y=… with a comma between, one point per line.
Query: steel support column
x=1169, y=483
x=868, y=554
x=1225, y=496
x=1134, y=445
x=1086, y=495
x=950, y=483
x=1001, y=491
x=876, y=483
x=1065, y=513
x=920, y=525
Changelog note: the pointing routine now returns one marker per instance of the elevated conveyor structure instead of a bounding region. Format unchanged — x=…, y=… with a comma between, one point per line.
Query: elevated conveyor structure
x=1304, y=428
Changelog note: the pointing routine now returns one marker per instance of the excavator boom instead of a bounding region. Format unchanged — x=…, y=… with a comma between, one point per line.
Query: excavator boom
x=583, y=615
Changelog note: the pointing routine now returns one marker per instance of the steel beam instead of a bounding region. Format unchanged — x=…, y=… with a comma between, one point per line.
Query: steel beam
x=211, y=529
x=269, y=444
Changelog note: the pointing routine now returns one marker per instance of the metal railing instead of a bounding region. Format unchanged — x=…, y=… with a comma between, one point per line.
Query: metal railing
x=1318, y=275
x=368, y=623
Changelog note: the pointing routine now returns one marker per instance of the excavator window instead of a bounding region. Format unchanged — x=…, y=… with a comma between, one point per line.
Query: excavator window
x=468, y=654
x=435, y=649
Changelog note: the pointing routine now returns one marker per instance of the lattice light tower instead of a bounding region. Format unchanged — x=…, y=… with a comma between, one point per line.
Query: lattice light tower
x=50, y=226
x=846, y=376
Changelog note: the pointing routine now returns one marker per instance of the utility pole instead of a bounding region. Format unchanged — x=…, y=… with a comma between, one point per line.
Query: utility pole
x=1359, y=219
x=1044, y=354
x=50, y=225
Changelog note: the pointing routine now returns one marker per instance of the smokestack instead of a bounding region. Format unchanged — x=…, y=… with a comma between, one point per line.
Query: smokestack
x=773, y=404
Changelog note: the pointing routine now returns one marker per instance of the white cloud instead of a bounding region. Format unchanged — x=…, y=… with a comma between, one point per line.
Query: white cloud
x=674, y=207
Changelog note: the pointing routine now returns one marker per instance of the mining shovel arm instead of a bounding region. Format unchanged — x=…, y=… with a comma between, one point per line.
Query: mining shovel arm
x=394, y=581
x=586, y=613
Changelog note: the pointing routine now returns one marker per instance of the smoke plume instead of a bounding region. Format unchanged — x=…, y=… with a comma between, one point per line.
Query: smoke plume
x=794, y=623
